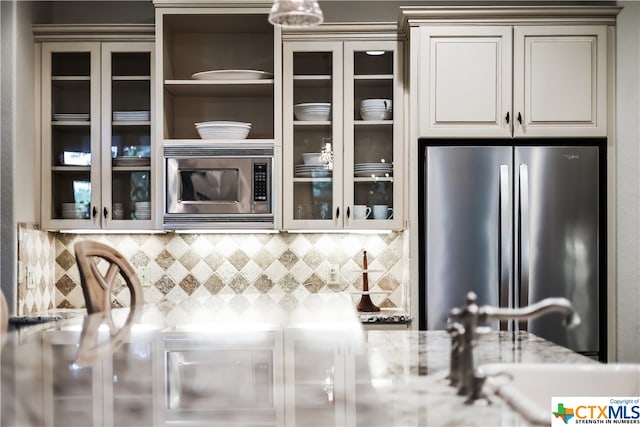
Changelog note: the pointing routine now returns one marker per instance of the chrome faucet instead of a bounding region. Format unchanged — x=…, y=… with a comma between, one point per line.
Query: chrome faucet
x=463, y=329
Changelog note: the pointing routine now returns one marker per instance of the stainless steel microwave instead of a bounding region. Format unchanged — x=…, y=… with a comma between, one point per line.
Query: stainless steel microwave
x=211, y=185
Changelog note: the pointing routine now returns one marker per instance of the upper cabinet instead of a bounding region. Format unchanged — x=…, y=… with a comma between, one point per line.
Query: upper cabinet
x=216, y=65
x=560, y=81
x=342, y=133
x=97, y=139
x=545, y=77
x=465, y=81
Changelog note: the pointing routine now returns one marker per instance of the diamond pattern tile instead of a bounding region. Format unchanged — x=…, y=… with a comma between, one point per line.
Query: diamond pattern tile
x=239, y=284
x=189, y=259
x=263, y=283
x=189, y=284
x=165, y=259
x=214, y=284
x=239, y=259
x=283, y=268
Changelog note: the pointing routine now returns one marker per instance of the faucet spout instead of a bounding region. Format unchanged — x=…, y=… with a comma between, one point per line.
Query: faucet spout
x=464, y=329
x=540, y=308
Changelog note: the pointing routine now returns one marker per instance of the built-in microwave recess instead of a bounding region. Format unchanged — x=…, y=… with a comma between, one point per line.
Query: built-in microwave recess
x=214, y=186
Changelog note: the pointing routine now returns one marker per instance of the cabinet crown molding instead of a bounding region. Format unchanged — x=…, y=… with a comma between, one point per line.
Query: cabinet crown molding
x=345, y=31
x=411, y=16
x=92, y=32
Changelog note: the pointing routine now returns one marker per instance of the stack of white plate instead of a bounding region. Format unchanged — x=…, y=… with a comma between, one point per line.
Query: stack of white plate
x=311, y=171
x=223, y=130
x=143, y=210
x=67, y=117
x=316, y=111
x=118, y=211
x=376, y=109
x=373, y=169
x=75, y=211
x=132, y=116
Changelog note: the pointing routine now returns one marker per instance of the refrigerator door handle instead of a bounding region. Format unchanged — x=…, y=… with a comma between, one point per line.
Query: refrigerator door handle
x=523, y=230
x=504, y=247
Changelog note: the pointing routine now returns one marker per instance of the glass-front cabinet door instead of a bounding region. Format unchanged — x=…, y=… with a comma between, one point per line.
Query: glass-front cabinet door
x=312, y=111
x=96, y=132
x=71, y=134
x=373, y=135
x=342, y=133
x=126, y=150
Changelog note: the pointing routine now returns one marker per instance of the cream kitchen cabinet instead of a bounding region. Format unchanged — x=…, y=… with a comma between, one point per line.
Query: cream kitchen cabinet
x=504, y=81
x=355, y=181
x=97, y=139
x=216, y=64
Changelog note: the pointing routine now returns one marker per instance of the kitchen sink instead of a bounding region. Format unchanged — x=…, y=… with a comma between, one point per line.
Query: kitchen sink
x=528, y=388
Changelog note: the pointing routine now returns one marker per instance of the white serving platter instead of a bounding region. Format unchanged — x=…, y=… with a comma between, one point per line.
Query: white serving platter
x=232, y=75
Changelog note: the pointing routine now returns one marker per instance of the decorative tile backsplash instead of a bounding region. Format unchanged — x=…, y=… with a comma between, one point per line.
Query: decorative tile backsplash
x=36, y=261
x=286, y=267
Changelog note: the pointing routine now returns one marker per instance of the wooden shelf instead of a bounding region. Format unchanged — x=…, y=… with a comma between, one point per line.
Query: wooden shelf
x=239, y=88
x=364, y=123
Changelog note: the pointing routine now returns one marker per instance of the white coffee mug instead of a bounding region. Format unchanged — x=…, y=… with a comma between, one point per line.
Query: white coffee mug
x=382, y=212
x=361, y=211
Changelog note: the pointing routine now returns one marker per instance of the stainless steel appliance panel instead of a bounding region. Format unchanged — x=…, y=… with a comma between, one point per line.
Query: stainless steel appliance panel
x=557, y=206
x=467, y=206
x=213, y=186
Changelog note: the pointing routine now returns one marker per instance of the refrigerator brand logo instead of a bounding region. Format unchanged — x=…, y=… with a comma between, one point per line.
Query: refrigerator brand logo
x=571, y=156
x=595, y=410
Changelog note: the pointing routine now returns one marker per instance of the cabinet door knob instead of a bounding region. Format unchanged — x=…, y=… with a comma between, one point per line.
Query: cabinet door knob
x=507, y=118
x=94, y=211
x=105, y=212
x=348, y=212
x=519, y=118
x=338, y=212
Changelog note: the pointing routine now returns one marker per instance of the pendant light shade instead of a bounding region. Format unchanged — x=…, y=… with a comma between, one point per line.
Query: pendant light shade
x=296, y=13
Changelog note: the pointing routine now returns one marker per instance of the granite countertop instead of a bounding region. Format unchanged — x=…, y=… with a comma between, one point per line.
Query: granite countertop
x=213, y=363
x=46, y=316
x=384, y=316
x=410, y=369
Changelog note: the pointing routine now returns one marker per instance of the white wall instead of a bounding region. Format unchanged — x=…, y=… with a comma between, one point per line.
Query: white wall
x=628, y=181
x=26, y=164
x=19, y=147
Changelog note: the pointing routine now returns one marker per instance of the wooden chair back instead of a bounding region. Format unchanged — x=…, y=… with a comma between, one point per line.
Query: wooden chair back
x=97, y=287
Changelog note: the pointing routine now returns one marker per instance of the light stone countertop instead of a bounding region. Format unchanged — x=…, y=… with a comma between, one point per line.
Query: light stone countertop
x=410, y=367
x=218, y=363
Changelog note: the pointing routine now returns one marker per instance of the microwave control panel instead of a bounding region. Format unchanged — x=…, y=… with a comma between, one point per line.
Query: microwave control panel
x=260, y=182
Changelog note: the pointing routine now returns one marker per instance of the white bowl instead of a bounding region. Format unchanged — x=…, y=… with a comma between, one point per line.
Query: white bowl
x=382, y=102
x=223, y=130
x=312, y=158
x=375, y=114
x=317, y=111
x=219, y=123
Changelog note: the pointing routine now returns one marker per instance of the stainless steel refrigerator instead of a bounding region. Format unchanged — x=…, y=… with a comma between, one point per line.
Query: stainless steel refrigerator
x=516, y=222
